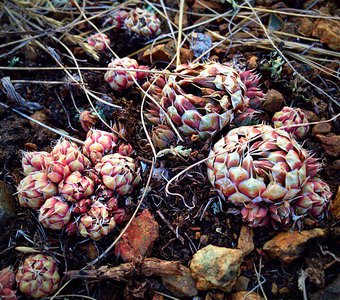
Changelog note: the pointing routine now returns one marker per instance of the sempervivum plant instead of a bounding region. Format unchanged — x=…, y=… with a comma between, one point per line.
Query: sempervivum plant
x=98, y=41
x=291, y=119
x=34, y=189
x=88, y=119
x=313, y=198
x=162, y=136
x=99, y=143
x=120, y=80
x=265, y=172
x=7, y=280
x=97, y=222
x=76, y=187
x=55, y=213
x=119, y=173
x=143, y=22
x=116, y=19
x=35, y=161
x=201, y=99
x=68, y=154
x=38, y=276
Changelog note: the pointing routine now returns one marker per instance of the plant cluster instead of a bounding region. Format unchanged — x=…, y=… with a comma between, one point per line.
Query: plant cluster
x=200, y=99
x=78, y=189
x=138, y=21
x=268, y=175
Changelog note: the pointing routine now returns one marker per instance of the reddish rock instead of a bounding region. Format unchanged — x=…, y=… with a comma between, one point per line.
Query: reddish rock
x=138, y=239
x=329, y=33
x=273, y=101
x=252, y=62
x=245, y=241
x=331, y=144
x=245, y=295
x=305, y=27
x=166, y=52
x=181, y=285
x=322, y=128
x=288, y=246
x=335, y=208
x=336, y=164
x=311, y=116
x=39, y=115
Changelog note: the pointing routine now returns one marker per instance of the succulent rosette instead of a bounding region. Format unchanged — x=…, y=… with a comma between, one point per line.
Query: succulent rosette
x=154, y=87
x=125, y=149
x=314, y=198
x=34, y=189
x=255, y=215
x=63, y=147
x=38, y=276
x=57, y=171
x=55, y=213
x=88, y=120
x=98, y=41
x=163, y=136
x=253, y=93
x=76, y=187
x=120, y=80
x=201, y=99
x=143, y=22
x=258, y=166
x=82, y=206
x=7, y=280
x=99, y=143
x=36, y=161
x=97, y=222
x=119, y=173
x=117, y=18
x=291, y=119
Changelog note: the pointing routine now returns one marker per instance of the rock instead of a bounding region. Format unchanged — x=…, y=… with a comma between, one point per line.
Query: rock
x=331, y=144
x=330, y=292
x=252, y=62
x=215, y=296
x=305, y=27
x=311, y=116
x=335, y=207
x=288, y=246
x=273, y=101
x=245, y=295
x=322, y=128
x=181, y=286
x=241, y=283
x=245, y=241
x=7, y=203
x=137, y=241
x=39, y=116
x=166, y=52
x=336, y=164
x=216, y=267
x=328, y=31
